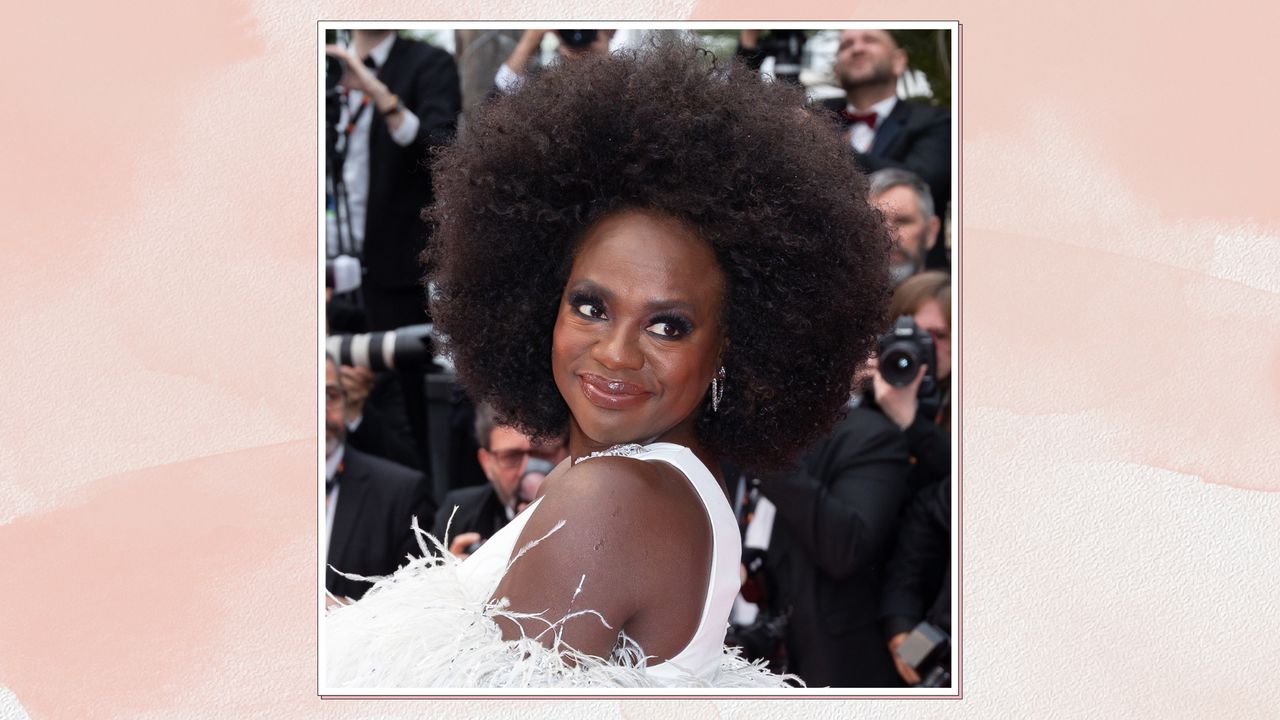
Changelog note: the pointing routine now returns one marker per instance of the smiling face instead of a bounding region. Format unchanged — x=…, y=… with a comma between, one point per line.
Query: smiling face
x=638, y=336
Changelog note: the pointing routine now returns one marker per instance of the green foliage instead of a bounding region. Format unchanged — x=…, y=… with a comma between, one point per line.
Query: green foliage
x=929, y=51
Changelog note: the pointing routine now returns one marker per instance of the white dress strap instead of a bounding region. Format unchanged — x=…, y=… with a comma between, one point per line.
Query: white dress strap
x=702, y=655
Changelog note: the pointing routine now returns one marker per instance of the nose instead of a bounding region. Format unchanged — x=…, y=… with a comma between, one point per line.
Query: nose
x=618, y=349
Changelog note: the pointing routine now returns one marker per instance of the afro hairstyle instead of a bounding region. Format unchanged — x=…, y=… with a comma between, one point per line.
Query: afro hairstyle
x=667, y=128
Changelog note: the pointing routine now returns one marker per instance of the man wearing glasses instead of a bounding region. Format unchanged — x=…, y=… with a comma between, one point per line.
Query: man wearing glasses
x=514, y=466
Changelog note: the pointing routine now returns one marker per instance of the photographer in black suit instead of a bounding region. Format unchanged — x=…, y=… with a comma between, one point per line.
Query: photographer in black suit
x=836, y=514
x=917, y=584
x=369, y=504
x=399, y=100
x=926, y=298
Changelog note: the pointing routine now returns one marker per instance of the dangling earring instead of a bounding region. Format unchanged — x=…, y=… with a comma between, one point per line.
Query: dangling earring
x=717, y=389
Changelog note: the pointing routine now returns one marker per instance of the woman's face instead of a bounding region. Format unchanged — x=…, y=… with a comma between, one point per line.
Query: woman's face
x=638, y=337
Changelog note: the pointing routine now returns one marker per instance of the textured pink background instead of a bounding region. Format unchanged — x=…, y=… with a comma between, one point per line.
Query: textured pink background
x=1121, y=356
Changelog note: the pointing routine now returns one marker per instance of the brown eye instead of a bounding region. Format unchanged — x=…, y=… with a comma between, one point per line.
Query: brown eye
x=590, y=310
x=670, y=328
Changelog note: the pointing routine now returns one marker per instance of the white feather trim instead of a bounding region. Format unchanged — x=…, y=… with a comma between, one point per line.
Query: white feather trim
x=426, y=627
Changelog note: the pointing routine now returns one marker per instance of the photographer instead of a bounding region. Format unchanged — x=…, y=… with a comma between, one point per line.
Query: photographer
x=369, y=503
x=399, y=98
x=514, y=466
x=374, y=407
x=786, y=47
x=836, y=511
x=926, y=422
x=917, y=590
x=573, y=44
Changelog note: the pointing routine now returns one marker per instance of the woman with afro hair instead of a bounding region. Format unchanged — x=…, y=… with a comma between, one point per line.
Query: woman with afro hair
x=674, y=262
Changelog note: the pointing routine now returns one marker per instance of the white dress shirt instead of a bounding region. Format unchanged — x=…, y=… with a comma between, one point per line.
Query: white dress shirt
x=861, y=136
x=355, y=169
x=331, y=501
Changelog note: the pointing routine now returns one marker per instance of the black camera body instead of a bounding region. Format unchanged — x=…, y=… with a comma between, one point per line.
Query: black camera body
x=903, y=350
x=577, y=39
x=334, y=68
x=787, y=49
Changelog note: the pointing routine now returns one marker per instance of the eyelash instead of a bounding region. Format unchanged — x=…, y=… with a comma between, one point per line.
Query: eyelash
x=580, y=300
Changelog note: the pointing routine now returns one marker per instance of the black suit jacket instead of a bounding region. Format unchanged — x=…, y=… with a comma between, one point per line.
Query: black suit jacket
x=836, y=516
x=917, y=584
x=913, y=137
x=425, y=79
x=371, y=523
x=479, y=510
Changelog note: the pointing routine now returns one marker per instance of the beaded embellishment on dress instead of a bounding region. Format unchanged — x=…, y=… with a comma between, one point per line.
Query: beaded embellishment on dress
x=627, y=450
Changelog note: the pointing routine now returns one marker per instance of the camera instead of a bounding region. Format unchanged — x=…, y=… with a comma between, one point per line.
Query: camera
x=927, y=650
x=577, y=39
x=903, y=350
x=334, y=68
x=405, y=348
x=787, y=49
x=762, y=639
x=535, y=471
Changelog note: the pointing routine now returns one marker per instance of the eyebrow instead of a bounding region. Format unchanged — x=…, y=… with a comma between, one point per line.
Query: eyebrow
x=594, y=288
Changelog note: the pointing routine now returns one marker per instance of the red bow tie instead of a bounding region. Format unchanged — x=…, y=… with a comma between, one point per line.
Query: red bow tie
x=853, y=118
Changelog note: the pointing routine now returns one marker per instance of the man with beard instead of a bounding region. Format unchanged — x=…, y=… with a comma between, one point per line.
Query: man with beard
x=886, y=132
x=908, y=211
x=369, y=504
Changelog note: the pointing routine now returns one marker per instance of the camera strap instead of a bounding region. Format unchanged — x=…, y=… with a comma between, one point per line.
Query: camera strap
x=943, y=405
x=354, y=112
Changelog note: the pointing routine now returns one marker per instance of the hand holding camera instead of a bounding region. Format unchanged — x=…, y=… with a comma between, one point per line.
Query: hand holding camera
x=904, y=371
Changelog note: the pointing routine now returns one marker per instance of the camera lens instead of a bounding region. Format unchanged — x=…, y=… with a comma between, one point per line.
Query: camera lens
x=898, y=365
x=577, y=39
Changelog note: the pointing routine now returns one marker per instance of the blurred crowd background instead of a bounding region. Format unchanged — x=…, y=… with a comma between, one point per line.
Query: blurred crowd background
x=846, y=556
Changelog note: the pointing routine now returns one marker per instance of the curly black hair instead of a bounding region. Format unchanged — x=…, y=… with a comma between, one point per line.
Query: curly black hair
x=764, y=179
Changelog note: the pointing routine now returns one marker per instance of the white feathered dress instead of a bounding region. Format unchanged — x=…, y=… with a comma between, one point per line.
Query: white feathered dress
x=431, y=625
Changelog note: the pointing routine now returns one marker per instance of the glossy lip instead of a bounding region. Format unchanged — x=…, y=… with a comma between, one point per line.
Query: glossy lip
x=611, y=394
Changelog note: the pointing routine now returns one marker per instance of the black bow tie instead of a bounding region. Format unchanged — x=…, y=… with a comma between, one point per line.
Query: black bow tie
x=370, y=63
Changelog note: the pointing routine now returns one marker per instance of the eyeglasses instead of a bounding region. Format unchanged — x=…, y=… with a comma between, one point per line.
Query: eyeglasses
x=332, y=396
x=514, y=458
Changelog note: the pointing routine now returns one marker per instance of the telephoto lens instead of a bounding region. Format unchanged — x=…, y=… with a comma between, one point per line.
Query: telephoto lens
x=405, y=348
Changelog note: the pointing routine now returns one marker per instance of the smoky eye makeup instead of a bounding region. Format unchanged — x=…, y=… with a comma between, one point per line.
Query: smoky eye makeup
x=586, y=304
x=669, y=326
